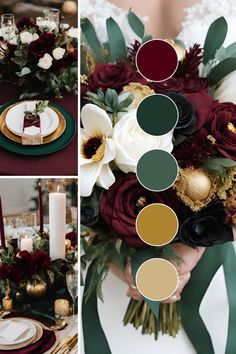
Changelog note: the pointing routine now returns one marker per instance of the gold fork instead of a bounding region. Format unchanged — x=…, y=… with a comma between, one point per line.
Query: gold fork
x=64, y=344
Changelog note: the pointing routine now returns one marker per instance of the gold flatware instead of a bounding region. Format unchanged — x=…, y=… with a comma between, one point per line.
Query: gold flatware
x=65, y=345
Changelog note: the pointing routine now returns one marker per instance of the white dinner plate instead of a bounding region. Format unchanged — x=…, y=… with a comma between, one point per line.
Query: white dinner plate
x=26, y=336
x=49, y=119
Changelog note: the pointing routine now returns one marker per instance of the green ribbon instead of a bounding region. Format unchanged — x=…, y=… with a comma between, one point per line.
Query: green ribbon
x=94, y=337
x=192, y=296
x=195, y=290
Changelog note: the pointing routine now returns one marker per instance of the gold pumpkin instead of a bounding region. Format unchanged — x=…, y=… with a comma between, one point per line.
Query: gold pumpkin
x=36, y=288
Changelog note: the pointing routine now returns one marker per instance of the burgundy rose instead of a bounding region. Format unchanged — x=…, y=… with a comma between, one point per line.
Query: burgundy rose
x=44, y=44
x=221, y=127
x=201, y=102
x=121, y=204
x=72, y=236
x=10, y=272
x=40, y=260
x=26, y=22
x=114, y=76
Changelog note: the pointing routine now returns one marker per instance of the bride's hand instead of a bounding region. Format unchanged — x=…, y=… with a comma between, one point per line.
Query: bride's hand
x=190, y=258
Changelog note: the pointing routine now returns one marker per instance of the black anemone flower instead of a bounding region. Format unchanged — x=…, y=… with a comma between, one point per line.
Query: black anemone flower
x=187, y=120
x=205, y=228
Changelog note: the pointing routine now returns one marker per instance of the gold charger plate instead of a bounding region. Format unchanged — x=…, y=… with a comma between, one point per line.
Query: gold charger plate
x=38, y=335
x=47, y=139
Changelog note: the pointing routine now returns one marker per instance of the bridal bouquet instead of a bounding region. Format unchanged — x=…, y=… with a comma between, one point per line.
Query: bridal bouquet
x=40, y=60
x=203, y=142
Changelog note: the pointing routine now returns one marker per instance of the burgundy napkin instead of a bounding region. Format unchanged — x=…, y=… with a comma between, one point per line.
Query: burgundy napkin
x=46, y=342
x=29, y=122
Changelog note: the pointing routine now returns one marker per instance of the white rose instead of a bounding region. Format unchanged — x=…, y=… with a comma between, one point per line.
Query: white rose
x=132, y=142
x=58, y=53
x=226, y=90
x=45, y=62
x=27, y=37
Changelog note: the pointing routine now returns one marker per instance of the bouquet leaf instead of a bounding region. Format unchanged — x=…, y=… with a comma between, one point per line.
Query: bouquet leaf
x=136, y=24
x=92, y=39
x=219, y=166
x=221, y=70
x=116, y=40
x=215, y=38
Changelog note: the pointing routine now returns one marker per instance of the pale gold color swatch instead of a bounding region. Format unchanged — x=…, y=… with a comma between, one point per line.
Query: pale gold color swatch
x=157, y=279
x=157, y=224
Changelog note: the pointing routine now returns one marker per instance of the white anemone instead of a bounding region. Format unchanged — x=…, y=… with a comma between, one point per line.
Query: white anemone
x=97, y=149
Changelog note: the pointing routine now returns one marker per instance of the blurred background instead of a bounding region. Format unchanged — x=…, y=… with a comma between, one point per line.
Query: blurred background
x=20, y=196
x=34, y=8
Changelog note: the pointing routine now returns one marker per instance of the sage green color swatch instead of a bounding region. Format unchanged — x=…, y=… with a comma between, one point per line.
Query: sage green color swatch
x=157, y=114
x=157, y=170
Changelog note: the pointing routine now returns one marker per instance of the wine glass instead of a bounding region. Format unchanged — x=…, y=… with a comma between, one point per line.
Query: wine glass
x=8, y=26
x=21, y=226
x=72, y=286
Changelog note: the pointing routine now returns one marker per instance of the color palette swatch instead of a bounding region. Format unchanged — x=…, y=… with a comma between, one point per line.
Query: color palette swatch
x=157, y=170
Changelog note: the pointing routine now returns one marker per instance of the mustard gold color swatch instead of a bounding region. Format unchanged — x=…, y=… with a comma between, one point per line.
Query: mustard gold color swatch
x=157, y=224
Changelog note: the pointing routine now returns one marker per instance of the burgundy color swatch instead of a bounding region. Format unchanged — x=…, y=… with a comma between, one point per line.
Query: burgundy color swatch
x=157, y=60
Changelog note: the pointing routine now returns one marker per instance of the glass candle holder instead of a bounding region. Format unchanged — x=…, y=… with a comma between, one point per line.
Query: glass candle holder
x=62, y=307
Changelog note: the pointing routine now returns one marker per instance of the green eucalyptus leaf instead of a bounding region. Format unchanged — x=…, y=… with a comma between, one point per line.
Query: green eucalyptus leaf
x=116, y=40
x=136, y=24
x=231, y=51
x=215, y=38
x=147, y=37
x=221, y=70
x=91, y=37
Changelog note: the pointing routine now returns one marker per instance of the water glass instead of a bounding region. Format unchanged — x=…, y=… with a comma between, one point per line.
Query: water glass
x=8, y=27
x=52, y=17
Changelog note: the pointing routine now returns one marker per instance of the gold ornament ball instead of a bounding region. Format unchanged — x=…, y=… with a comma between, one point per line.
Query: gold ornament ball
x=198, y=185
x=69, y=7
x=36, y=289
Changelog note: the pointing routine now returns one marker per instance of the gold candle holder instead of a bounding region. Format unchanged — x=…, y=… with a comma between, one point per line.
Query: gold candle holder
x=7, y=302
x=62, y=307
x=68, y=245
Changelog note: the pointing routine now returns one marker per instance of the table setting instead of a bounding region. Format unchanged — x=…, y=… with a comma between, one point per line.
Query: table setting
x=39, y=280
x=38, y=64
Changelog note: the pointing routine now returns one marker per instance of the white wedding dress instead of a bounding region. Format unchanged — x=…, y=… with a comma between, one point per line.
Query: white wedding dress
x=214, y=307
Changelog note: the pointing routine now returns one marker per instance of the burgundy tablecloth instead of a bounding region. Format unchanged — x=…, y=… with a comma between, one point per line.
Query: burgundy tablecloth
x=60, y=163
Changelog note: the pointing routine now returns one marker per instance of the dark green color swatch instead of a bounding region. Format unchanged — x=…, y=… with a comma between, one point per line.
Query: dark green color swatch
x=157, y=170
x=157, y=114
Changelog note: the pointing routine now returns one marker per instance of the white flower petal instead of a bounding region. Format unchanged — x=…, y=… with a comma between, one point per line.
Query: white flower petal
x=106, y=177
x=132, y=142
x=89, y=174
x=95, y=120
x=110, y=151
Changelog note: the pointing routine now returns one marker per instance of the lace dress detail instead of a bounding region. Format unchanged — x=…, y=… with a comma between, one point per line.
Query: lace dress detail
x=98, y=11
x=200, y=16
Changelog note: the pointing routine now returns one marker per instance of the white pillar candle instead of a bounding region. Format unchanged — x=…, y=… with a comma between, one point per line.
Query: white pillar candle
x=26, y=244
x=57, y=225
